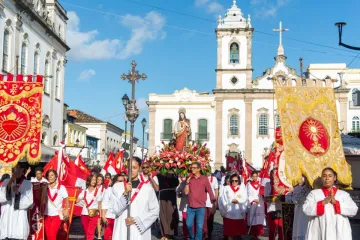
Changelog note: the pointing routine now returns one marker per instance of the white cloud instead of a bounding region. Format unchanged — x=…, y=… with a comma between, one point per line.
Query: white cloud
x=86, y=74
x=145, y=29
x=268, y=8
x=211, y=6
x=85, y=46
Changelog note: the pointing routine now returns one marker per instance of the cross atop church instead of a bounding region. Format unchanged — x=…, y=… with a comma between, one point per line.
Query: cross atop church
x=280, y=30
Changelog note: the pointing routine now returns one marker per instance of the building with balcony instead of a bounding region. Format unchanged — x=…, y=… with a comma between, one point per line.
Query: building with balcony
x=32, y=36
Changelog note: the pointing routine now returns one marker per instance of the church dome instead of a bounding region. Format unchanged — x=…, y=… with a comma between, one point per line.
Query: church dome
x=234, y=18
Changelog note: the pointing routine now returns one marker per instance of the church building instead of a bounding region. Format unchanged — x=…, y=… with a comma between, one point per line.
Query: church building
x=240, y=116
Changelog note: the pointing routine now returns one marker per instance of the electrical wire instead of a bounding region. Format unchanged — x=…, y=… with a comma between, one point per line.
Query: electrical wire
x=212, y=34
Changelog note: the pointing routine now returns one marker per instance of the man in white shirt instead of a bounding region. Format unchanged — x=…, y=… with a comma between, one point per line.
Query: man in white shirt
x=210, y=207
x=39, y=176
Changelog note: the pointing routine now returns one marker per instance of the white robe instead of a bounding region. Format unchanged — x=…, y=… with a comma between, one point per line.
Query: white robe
x=106, y=203
x=256, y=211
x=301, y=221
x=145, y=209
x=14, y=223
x=234, y=210
x=329, y=226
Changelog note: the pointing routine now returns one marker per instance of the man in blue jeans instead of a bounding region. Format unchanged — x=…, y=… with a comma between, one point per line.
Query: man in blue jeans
x=197, y=187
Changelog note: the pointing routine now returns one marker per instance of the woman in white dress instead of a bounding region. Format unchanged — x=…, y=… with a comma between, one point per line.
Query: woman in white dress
x=301, y=220
x=329, y=209
x=100, y=184
x=256, y=217
x=108, y=217
x=234, y=200
x=91, y=199
x=54, y=212
x=144, y=206
x=16, y=197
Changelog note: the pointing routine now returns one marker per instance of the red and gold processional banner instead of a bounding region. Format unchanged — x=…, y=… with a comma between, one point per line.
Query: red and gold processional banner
x=20, y=120
x=310, y=133
x=36, y=213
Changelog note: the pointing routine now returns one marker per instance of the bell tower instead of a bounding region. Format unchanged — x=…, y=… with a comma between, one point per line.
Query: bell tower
x=234, y=52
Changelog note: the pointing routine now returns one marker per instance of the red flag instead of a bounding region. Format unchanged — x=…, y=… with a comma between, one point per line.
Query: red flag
x=29, y=78
x=10, y=77
x=19, y=77
x=52, y=164
x=1, y=77
x=108, y=164
x=80, y=163
x=39, y=78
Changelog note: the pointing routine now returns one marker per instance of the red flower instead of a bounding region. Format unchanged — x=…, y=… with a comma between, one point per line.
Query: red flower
x=167, y=165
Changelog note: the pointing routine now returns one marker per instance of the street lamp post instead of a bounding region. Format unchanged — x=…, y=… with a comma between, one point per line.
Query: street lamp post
x=125, y=102
x=143, y=123
x=132, y=114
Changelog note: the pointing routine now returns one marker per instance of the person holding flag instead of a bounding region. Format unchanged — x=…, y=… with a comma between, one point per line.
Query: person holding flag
x=16, y=197
x=144, y=206
x=54, y=212
x=91, y=198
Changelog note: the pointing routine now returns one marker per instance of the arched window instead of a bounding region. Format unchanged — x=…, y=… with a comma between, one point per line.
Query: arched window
x=6, y=50
x=234, y=53
x=263, y=124
x=55, y=140
x=356, y=124
x=202, y=130
x=167, y=133
x=44, y=138
x=36, y=63
x=57, y=84
x=277, y=120
x=356, y=97
x=46, y=79
x=234, y=125
x=23, y=58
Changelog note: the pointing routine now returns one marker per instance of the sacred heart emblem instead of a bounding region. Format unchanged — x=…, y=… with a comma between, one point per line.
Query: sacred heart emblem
x=314, y=137
x=14, y=122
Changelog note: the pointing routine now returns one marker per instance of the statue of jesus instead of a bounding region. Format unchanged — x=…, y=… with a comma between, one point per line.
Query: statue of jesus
x=182, y=130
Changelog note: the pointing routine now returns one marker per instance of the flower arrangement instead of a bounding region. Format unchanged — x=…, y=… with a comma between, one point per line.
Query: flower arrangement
x=179, y=162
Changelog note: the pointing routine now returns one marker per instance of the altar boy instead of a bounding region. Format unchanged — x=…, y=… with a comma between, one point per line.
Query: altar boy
x=16, y=197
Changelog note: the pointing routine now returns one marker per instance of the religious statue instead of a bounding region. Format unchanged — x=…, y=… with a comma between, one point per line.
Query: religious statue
x=182, y=131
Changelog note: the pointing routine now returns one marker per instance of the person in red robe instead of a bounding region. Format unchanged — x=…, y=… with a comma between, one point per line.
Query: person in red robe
x=182, y=130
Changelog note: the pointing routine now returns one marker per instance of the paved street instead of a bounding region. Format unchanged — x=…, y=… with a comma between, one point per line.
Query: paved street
x=76, y=232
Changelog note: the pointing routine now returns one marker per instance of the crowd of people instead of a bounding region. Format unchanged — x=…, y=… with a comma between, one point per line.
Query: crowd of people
x=319, y=214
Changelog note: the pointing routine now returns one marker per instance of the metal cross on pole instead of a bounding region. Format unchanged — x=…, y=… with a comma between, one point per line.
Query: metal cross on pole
x=132, y=114
x=280, y=30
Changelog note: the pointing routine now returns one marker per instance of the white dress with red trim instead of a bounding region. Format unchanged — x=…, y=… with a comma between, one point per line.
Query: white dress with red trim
x=329, y=222
x=301, y=220
x=144, y=208
x=256, y=210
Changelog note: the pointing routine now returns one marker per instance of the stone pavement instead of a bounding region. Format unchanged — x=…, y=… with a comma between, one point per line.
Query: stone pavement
x=76, y=232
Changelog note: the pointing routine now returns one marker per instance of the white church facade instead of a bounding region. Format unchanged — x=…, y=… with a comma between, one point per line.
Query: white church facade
x=240, y=116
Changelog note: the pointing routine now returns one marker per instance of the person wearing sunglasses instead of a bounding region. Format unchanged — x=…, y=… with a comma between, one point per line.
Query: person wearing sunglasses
x=147, y=177
x=234, y=200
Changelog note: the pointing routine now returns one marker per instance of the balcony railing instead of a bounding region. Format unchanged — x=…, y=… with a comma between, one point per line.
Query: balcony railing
x=166, y=136
x=202, y=136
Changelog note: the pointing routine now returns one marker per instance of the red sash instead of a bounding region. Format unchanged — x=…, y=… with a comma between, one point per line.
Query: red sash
x=52, y=198
x=89, y=204
x=255, y=185
x=142, y=179
x=136, y=193
x=234, y=190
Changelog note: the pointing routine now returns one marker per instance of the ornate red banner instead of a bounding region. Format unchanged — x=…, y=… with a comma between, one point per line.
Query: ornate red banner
x=20, y=121
x=36, y=218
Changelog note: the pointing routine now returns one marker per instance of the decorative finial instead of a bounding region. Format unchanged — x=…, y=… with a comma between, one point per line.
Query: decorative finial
x=280, y=30
x=234, y=3
x=249, y=21
x=219, y=19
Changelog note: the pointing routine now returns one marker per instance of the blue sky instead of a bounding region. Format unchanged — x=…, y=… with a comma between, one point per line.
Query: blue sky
x=177, y=51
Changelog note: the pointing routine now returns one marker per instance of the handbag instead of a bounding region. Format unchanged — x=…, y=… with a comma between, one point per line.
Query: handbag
x=93, y=212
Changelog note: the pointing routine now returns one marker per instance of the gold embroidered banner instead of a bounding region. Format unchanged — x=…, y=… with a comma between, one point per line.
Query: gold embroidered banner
x=311, y=136
x=20, y=121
